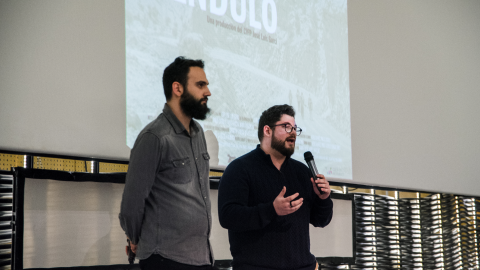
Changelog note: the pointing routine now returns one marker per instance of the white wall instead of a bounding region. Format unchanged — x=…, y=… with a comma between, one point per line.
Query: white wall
x=414, y=79
x=414, y=83
x=62, y=77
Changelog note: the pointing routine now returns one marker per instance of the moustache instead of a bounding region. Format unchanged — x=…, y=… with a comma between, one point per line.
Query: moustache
x=293, y=137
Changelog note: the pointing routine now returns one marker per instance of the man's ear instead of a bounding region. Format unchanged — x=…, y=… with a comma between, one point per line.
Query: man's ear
x=267, y=131
x=177, y=89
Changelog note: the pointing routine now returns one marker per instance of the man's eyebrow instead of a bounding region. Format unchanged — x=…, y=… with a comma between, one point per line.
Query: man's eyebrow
x=287, y=123
x=202, y=82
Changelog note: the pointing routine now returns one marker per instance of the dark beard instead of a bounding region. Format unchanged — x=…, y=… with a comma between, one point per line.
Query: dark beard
x=280, y=147
x=193, y=107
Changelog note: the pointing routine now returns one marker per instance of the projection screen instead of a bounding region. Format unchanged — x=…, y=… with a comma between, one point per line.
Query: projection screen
x=258, y=53
x=413, y=75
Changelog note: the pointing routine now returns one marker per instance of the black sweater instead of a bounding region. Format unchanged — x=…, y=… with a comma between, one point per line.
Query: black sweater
x=259, y=238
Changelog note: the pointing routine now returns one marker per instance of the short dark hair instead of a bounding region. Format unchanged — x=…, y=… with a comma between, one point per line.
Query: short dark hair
x=178, y=72
x=272, y=115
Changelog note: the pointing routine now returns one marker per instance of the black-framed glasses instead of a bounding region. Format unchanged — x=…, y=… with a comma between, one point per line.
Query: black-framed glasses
x=289, y=128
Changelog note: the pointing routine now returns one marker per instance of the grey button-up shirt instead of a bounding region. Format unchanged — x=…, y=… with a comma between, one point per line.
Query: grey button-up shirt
x=165, y=206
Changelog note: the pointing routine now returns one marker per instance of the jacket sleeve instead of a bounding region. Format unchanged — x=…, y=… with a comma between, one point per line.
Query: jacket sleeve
x=142, y=169
x=321, y=212
x=233, y=210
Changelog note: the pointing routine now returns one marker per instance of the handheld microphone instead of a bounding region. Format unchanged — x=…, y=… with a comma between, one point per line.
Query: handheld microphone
x=313, y=168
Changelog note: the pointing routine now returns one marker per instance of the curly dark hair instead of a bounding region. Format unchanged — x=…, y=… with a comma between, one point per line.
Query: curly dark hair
x=178, y=72
x=272, y=115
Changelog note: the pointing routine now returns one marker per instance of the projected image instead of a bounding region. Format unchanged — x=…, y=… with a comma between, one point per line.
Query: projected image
x=257, y=54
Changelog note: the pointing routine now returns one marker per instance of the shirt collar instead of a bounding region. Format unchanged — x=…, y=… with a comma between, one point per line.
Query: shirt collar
x=176, y=124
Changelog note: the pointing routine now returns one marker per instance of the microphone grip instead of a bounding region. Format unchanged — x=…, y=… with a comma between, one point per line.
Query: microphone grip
x=314, y=173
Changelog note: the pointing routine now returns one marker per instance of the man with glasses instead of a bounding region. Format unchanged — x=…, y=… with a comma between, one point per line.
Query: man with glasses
x=266, y=200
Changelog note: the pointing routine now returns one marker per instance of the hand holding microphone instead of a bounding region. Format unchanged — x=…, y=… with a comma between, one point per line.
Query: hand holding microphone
x=318, y=180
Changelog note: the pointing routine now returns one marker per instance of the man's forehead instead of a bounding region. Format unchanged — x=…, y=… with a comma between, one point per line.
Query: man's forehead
x=286, y=119
x=197, y=74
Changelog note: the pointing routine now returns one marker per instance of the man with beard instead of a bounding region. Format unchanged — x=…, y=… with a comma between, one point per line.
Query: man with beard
x=165, y=209
x=266, y=200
